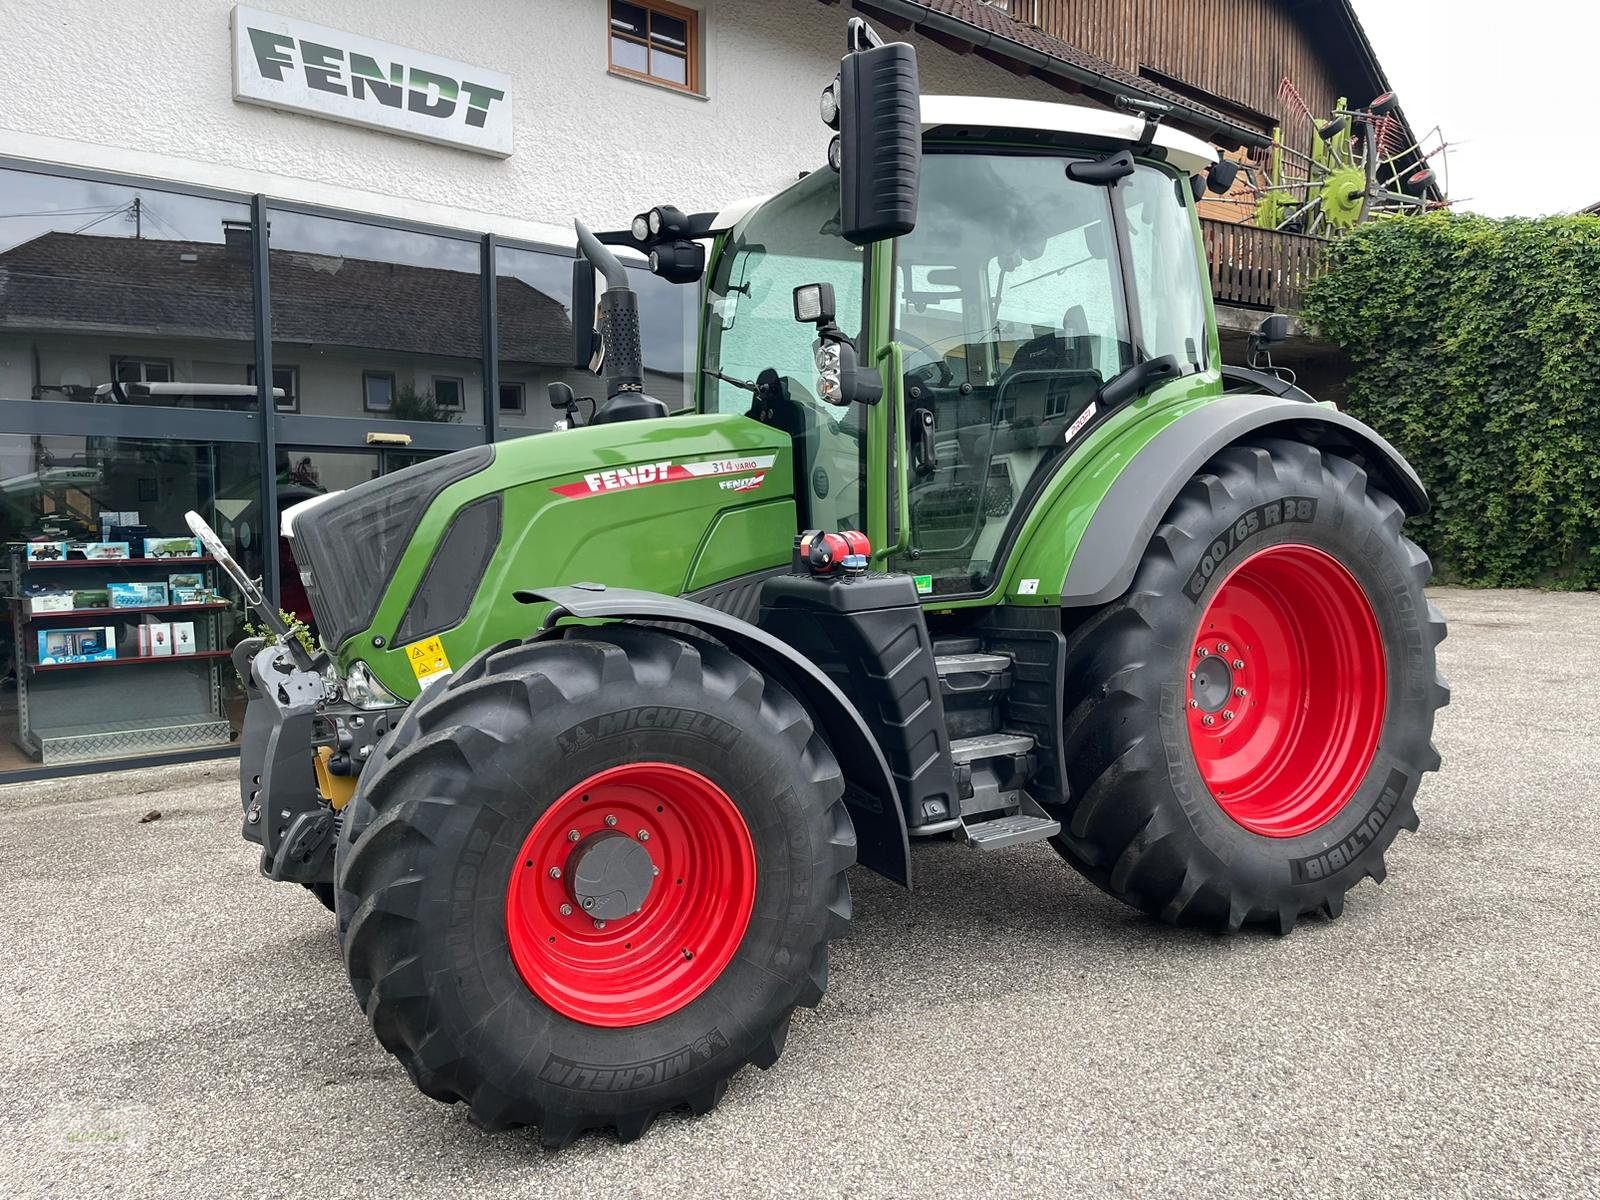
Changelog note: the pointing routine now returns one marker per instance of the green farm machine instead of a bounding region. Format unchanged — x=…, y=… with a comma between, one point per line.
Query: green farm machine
x=961, y=536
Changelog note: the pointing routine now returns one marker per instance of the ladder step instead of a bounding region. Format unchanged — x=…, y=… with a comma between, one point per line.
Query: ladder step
x=972, y=664
x=1011, y=830
x=957, y=645
x=989, y=745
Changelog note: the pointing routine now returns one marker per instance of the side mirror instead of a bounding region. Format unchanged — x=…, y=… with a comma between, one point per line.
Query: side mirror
x=878, y=103
x=841, y=379
x=583, y=335
x=1273, y=330
x=1220, y=178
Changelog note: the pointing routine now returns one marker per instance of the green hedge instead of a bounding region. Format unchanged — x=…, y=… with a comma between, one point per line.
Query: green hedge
x=1476, y=351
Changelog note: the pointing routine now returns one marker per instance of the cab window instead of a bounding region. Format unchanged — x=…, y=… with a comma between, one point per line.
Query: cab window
x=1010, y=310
x=758, y=359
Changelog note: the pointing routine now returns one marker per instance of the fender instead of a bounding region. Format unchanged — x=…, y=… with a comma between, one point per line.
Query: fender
x=1114, y=541
x=870, y=795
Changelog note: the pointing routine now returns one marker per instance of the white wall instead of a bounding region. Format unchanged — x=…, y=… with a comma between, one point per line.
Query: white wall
x=146, y=88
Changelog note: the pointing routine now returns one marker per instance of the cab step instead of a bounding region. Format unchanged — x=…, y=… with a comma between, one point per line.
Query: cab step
x=989, y=745
x=1029, y=823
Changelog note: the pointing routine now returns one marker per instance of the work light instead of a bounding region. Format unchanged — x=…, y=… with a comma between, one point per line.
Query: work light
x=829, y=105
x=641, y=228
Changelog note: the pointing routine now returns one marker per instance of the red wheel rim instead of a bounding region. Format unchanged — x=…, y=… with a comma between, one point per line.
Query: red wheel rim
x=1287, y=689
x=627, y=970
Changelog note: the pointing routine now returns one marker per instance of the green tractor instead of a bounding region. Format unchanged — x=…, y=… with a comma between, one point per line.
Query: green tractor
x=960, y=537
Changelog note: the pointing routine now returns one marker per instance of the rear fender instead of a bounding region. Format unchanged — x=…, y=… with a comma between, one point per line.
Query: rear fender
x=1108, y=553
x=882, y=843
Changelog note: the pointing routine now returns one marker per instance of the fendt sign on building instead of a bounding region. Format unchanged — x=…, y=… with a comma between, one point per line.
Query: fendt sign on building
x=295, y=65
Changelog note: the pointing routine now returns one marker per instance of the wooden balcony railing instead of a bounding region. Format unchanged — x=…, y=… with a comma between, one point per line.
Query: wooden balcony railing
x=1260, y=268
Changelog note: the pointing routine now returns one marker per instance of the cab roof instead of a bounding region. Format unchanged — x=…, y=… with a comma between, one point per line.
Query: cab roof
x=1183, y=150
x=983, y=113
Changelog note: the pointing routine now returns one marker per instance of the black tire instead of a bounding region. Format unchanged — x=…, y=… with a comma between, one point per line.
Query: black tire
x=435, y=829
x=1141, y=822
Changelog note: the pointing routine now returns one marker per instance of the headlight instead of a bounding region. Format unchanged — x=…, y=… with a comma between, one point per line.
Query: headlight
x=828, y=362
x=641, y=228
x=362, y=690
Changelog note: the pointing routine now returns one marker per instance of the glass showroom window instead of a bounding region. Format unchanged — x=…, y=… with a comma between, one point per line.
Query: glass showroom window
x=533, y=291
x=120, y=628
x=373, y=318
x=123, y=295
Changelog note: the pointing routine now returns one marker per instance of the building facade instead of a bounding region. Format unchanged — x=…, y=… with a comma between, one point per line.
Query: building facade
x=252, y=254
x=230, y=302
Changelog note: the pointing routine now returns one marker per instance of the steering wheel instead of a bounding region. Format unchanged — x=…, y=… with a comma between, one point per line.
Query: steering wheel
x=946, y=376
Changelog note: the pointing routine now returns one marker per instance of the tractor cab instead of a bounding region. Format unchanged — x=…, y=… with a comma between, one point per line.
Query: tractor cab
x=1050, y=277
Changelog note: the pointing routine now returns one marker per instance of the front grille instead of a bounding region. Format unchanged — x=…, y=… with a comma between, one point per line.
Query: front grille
x=347, y=548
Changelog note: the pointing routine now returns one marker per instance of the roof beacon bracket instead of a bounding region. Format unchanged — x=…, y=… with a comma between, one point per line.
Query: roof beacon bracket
x=1152, y=111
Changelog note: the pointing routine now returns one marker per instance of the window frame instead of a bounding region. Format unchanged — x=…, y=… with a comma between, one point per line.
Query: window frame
x=691, y=19
x=292, y=403
x=367, y=377
x=461, y=392
x=144, y=361
x=521, y=390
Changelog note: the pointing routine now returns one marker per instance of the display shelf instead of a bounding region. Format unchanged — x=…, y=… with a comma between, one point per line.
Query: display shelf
x=130, y=662
x=29, y=618
x=35, y=565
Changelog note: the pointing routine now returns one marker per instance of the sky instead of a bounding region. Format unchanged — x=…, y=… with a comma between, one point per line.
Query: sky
x=1511, y=85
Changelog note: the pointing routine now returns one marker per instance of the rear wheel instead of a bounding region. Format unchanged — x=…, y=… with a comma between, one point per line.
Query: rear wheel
x=589, y=879
x=1246, y=728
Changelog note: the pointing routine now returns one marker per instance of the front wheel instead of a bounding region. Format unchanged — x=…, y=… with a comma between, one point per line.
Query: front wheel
x=587, y=880
x=1246, y=728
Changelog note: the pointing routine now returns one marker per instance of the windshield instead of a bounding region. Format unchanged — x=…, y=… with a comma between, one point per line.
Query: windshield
x=1009, y=303
x=752, y=337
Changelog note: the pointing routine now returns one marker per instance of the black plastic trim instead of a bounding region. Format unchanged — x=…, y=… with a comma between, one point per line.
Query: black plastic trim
x=451, y=579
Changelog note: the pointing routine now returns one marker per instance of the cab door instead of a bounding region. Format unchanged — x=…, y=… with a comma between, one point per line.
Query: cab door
x=1010, y=308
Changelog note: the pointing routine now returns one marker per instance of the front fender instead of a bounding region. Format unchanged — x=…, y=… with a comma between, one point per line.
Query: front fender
x=1106, y=556
x=870, y=795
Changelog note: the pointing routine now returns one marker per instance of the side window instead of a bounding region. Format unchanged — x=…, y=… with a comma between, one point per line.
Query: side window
x=750, y=325
x=1166, y=268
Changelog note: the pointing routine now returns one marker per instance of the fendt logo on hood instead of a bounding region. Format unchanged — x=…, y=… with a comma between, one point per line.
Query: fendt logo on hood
x=749, y=473
x=291, y=64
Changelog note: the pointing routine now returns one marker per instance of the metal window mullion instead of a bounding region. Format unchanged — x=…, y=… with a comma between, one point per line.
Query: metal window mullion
x=491, y=341
x=261, y=294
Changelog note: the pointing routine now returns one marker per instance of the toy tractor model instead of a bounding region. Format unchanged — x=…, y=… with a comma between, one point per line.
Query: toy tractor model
x=960, y=536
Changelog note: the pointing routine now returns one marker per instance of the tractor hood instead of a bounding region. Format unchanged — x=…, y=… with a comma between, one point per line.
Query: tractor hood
x=434, y=552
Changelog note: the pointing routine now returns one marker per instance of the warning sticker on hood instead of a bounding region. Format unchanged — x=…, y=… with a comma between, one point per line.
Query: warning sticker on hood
x=747, y=473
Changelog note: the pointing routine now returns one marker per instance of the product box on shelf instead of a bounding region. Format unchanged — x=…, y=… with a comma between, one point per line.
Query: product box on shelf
x=155, y=639
x=46, y=552
x=193, y=595
x=51, y=602
x=100, y=551
x=131, y=532
x=186, y=579
x=183, y=637
x=137, y=595
x=57, y=646
x=91, y=598
x=172, y=547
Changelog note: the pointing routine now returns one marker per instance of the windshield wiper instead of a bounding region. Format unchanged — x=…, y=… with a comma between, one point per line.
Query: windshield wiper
x=1139, y=379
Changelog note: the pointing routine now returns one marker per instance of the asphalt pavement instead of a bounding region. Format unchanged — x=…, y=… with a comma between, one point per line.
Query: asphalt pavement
x=173, y=1025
